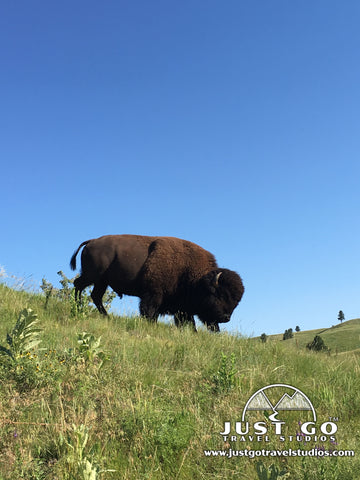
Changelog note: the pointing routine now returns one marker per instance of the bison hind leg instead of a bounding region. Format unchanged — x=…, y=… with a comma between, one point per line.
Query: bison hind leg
x=97, y=294
x=80, y=284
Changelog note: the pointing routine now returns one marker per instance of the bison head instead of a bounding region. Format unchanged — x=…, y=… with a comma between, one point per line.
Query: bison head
x=217, y=294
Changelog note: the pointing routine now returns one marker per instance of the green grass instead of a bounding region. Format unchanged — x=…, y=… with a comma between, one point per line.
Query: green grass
x=158, y=401
x=343, y=337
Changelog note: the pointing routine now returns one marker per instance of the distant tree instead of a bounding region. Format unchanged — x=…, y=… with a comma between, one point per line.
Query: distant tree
x=317, y=344
x=263, y=337
x=288, y=334
x=297, y=328
x=341, y=316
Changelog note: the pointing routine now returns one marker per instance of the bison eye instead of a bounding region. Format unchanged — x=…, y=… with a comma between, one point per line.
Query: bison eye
x=223, y=295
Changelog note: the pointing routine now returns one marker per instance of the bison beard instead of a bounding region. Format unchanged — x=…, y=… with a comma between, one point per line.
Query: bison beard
x=169, y=275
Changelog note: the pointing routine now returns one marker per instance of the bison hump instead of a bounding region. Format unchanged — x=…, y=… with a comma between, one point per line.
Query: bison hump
x=171, y=262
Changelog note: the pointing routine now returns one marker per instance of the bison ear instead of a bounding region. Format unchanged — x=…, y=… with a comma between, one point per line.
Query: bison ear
x=216, y=281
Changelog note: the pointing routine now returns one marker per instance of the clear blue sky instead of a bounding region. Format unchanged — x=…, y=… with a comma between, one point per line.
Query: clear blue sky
x=232, y=124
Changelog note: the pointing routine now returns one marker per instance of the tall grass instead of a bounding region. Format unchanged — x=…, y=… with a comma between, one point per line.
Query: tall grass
x=158, y=401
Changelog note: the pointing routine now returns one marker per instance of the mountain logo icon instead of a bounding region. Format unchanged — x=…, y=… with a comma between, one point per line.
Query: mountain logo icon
x=297, y=401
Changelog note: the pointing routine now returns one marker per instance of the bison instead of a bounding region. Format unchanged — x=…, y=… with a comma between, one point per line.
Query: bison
x=169, y=275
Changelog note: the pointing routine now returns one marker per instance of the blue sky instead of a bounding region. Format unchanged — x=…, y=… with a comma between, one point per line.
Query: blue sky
x=232, y=124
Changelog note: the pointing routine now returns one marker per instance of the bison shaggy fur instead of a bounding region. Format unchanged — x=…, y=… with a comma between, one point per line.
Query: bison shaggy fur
x=169, y=275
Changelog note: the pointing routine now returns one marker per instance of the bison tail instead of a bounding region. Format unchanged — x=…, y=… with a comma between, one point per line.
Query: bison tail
x=73, y=258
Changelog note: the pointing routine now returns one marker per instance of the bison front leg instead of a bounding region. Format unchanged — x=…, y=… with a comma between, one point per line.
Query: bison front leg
x=182, y=319
x=213, y=327
x=150, y=306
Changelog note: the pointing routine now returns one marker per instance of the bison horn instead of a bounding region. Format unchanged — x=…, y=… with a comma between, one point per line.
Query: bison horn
x=217, y=279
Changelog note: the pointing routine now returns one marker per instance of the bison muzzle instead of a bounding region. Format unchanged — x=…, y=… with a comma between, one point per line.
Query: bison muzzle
x=169, y=275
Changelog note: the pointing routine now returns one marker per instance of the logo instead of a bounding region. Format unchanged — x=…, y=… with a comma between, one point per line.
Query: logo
x=297, y=401
x=275, y=401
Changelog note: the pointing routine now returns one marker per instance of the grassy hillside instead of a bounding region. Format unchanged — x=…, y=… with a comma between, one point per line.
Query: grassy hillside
x=343, y=337
x=147, y=400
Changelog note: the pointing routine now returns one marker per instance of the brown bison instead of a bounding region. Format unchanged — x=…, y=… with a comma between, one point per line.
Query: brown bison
x=169, y=275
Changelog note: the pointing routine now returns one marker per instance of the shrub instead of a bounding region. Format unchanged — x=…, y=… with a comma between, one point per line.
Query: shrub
x=225, y=379
x=21, y=361
x=24, y=336
x=67, y=293
x=288, y=334
x=318, y=344
x=263, y=337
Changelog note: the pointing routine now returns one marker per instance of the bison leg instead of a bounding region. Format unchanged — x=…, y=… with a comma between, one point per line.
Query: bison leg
x=213, y=327
x=80, y=284
x=182, y=319
x=149, y=307
x=97, y=294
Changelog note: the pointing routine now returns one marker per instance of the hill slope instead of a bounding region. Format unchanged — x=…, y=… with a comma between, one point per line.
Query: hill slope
x=344, y=337
x=159, y=400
